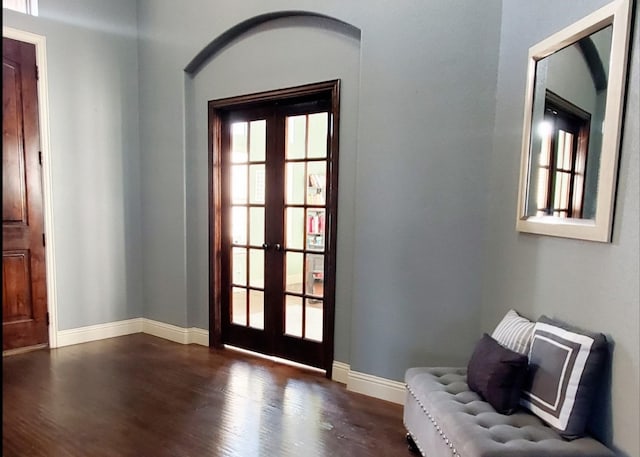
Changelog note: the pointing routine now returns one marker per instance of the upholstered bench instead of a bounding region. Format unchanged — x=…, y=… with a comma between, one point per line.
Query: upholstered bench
x=445, y=418
x=527, y=391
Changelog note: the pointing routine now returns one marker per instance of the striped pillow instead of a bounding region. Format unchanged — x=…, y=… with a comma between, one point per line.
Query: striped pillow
x=514, y=332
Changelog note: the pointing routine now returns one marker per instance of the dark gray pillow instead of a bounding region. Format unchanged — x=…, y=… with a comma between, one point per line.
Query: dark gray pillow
x=497, y=374
x=565, y=364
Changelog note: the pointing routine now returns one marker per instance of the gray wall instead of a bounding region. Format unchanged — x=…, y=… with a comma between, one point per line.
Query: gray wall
x=423, y=121
x=93, y=113
x=592, y=285
x=427, y=97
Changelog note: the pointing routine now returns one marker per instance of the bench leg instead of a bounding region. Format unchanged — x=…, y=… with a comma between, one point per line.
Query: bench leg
x=413, y=447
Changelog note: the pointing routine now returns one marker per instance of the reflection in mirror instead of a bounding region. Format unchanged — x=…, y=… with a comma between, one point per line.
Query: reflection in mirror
x=574, y=103
x=569, y=101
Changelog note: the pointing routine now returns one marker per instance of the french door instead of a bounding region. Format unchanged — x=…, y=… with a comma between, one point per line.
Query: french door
x=273, y=178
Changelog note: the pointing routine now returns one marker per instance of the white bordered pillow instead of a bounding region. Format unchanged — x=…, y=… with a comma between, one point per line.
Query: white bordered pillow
x=565, y=364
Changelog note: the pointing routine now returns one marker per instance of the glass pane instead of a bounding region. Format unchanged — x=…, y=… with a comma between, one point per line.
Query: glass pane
x=239, y=142
x=313, y=319
x=239, y=266
x=577, y=195
x=560, y=149
x=293, y=316
x=256, y=226
x=568, y=148
x=294, y=272
x=257, y=141
x=564, y=191
x=543, y=177
x=545, y=151
x=315, y=275
x=256, y=268
x=315, y=229
x=239, y=184
x=239, y=225
x=318, y=124
x=295, y=228
x=296, y=137
x=316, y=182
x=580, y=156
x=295, y=183
x=239, y=308
x=556, y=191
x=256, y=184
x=256, y=309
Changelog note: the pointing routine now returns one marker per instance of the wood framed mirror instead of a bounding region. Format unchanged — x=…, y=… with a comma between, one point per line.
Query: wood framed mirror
x=574, y=104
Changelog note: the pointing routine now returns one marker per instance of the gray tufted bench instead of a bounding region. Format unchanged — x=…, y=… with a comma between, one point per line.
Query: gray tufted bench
x=445, y=418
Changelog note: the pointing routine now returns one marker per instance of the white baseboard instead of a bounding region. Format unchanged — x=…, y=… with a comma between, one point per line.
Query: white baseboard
x=340, y=372
x=374, y=386
x=170, y=332
x=98, y=332
x=167, y=331
x=174, y=333
x=199, y=336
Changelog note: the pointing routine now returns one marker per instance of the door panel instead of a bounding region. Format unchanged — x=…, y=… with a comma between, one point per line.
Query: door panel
x=16, y=291
x=14, y=197
x=24, y=306
x=275, y=250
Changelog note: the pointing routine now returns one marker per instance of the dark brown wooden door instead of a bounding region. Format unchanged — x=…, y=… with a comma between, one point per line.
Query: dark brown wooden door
x=278, y=176
x=24, y=294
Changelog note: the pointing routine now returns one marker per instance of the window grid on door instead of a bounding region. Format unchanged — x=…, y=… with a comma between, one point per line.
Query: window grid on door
x=305, y=222
x=248, y=145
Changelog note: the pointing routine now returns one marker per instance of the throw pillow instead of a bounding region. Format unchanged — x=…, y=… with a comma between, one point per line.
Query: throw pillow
x=564, y=371
x=514, y=332
x=497, y=374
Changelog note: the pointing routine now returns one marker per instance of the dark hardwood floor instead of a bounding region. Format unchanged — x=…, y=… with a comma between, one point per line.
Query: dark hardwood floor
x=139, y=395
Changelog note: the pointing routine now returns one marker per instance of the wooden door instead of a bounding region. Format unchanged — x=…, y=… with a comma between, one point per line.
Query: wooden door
x=276, y=161
x=24, y=294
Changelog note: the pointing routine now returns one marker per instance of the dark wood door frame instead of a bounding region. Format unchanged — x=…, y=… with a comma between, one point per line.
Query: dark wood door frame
x=216, y=110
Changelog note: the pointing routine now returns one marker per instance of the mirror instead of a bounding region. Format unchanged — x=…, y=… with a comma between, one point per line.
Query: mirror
x=571, y=134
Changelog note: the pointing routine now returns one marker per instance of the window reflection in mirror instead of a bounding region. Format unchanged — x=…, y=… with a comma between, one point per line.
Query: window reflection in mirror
x=564, y=138
x=567, y=123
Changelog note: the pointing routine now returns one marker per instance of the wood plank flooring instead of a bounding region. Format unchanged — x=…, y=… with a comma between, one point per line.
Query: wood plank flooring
x=139, y=395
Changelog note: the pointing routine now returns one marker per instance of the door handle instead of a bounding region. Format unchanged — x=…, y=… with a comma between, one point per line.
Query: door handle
x=278, y=247
x=267, y=246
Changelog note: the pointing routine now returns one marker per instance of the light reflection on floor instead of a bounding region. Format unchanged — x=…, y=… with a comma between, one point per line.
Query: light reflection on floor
x=298, y=411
